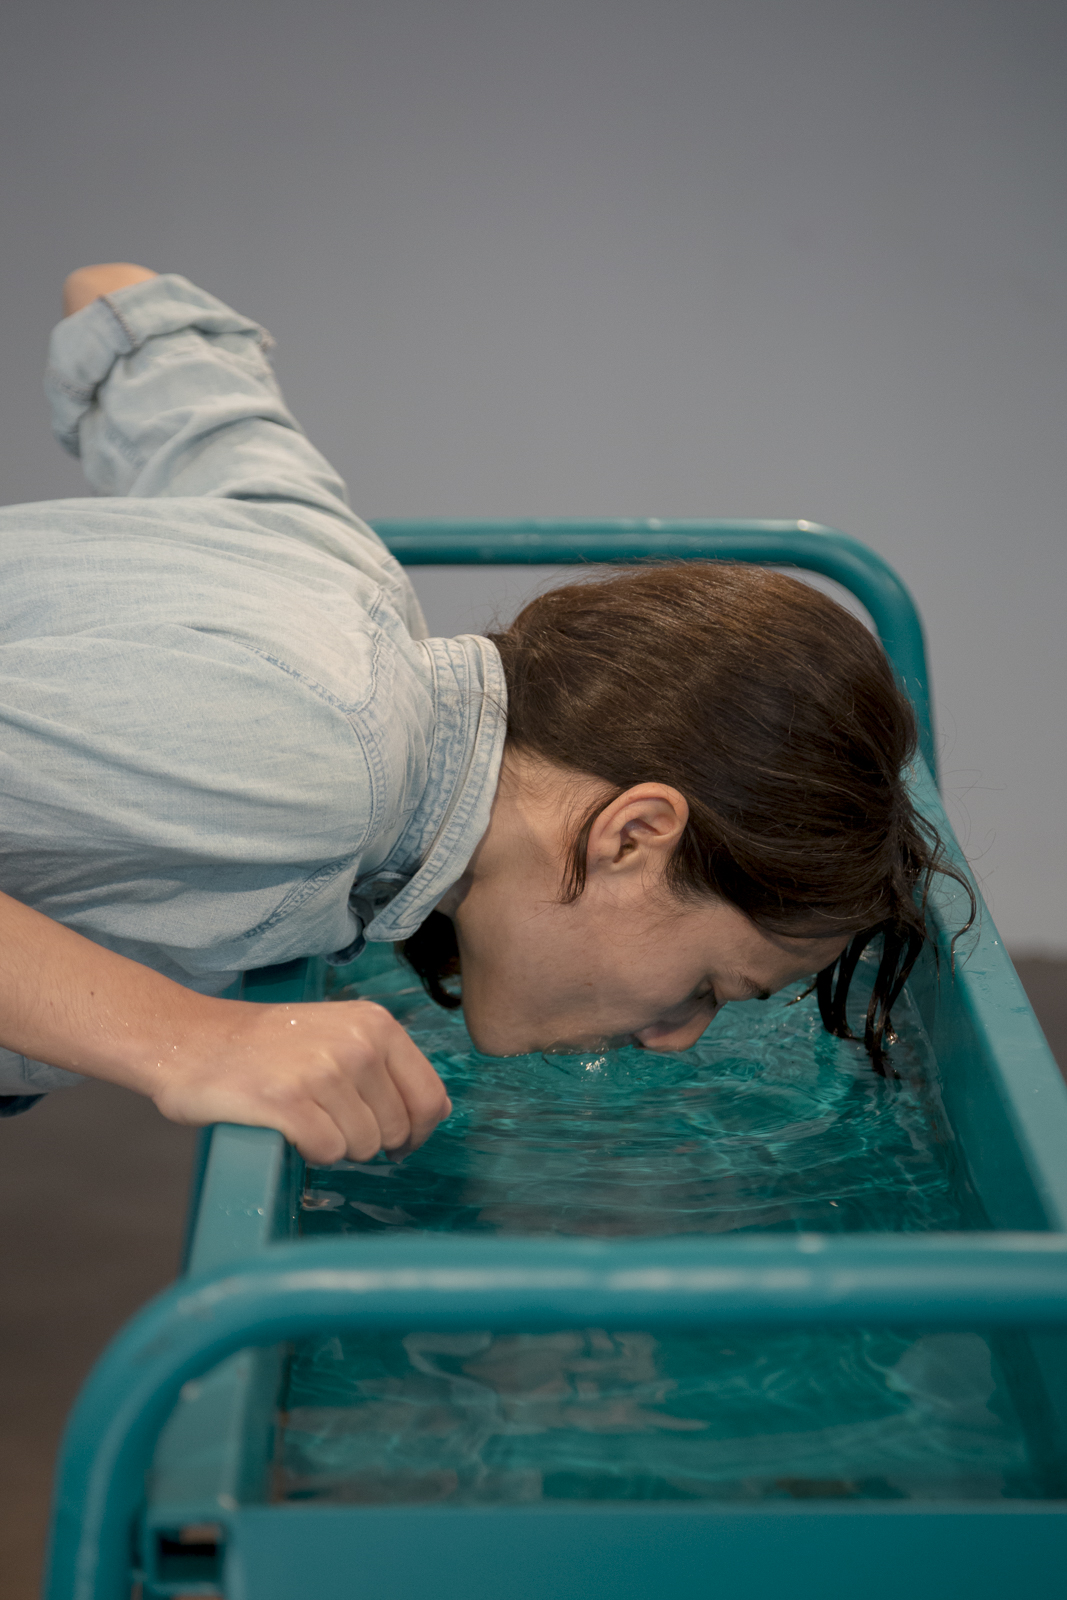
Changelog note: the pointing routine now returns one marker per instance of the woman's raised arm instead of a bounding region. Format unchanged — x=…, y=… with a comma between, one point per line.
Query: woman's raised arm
x=161, y=390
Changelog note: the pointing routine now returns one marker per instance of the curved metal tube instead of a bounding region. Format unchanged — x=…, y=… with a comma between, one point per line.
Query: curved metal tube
x=781, y=544
x=292, y=1290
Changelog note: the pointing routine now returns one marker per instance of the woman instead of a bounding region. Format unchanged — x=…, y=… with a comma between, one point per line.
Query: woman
x=227, y=742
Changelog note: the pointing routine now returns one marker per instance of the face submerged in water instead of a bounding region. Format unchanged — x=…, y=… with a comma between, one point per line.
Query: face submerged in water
x=627, y=961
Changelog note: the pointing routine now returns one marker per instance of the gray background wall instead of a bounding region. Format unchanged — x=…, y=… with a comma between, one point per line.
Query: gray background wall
x=594, y=258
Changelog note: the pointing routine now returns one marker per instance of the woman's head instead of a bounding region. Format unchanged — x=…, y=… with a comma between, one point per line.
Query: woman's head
x=739, y=742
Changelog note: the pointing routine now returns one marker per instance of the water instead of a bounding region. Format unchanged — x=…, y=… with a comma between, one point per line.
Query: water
x=766, y=1124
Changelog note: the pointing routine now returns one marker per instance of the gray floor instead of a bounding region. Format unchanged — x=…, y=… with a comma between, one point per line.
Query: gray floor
x=92, y=1186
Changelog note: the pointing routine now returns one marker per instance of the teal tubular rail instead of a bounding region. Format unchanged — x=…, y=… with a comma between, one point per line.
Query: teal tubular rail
x=806, y=545
x=292, y=1290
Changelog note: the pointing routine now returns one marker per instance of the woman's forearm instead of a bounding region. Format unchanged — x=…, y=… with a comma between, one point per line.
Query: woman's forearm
x=336, y=1079
x=73, y=1004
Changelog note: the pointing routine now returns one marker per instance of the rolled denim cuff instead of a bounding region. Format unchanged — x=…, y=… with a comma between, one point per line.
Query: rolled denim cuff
x=84, y=347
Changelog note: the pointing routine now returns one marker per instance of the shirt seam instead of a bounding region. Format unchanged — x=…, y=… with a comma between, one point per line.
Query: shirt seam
x=135, y=343
x=364, y=736
x=301, y=893
x=83, y=393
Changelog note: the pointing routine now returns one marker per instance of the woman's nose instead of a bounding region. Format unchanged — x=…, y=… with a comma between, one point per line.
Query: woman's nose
x=673, y=1036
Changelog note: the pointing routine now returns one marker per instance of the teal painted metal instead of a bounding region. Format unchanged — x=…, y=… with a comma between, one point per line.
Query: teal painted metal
x=215, y=1449
x=649, y=1553
x=806, y=545
x=1005, y=1097
x=247, y=1178
x=196, y=1185
x=453, y=1281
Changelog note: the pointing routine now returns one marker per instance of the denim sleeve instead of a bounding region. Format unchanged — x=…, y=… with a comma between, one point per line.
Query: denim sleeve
x=162, y=390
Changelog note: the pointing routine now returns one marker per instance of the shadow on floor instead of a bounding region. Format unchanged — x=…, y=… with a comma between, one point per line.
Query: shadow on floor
x=92, y=1186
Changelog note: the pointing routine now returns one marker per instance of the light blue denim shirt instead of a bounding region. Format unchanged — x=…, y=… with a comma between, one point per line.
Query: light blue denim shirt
x=226, y=739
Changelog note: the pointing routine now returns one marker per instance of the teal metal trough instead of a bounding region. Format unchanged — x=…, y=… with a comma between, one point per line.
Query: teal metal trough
x=163, y=1480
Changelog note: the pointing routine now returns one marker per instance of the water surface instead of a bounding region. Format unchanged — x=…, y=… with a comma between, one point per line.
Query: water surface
x=768, y=1124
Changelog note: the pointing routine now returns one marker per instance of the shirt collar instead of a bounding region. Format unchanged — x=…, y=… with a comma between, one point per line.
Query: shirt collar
x=470, y=720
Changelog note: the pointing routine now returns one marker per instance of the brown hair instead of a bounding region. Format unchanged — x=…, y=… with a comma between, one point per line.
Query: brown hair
x=778, y=717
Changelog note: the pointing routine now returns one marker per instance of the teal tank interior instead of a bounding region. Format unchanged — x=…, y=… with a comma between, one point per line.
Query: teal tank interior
x=768, y=1123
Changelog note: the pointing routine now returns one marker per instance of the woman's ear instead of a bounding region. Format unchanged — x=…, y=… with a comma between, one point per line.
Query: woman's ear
x=639, y=831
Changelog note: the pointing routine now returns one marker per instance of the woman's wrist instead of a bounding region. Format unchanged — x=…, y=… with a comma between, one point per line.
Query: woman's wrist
x=150, y=1031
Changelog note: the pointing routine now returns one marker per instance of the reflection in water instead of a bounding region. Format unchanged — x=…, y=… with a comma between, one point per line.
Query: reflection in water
x=594, y=1414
